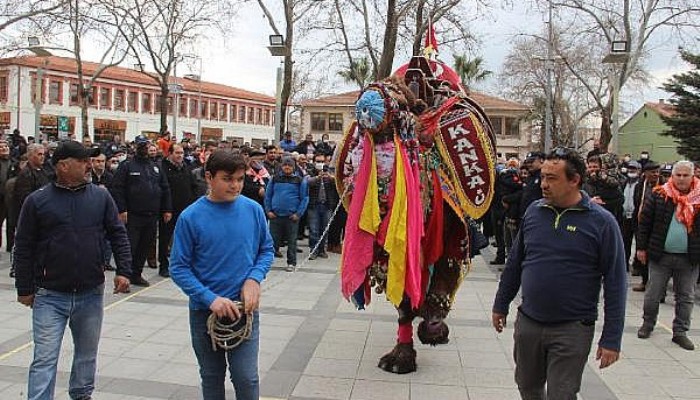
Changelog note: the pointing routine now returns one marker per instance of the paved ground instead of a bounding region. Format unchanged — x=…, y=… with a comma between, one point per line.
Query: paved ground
x=314, y=345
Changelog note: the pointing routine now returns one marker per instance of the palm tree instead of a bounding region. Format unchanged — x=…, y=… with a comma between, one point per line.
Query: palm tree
x=359, y=73
x=470, y=71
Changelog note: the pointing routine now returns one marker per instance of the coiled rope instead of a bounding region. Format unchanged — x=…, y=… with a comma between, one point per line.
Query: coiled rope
x=227, y=334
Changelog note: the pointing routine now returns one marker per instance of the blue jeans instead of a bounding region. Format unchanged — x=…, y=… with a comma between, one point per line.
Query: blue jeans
x=318, y=219
x=242, y=361
x=51, y=312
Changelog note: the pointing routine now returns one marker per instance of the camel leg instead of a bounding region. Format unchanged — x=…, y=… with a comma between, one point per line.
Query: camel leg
x=402, y=358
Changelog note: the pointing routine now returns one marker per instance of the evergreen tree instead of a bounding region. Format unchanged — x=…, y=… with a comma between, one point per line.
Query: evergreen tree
x=685, y=122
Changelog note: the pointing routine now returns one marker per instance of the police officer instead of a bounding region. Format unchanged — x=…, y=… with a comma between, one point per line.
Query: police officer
x=142, y=194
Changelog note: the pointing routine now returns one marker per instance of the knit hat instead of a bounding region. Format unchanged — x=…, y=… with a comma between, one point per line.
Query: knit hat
x=288, y=161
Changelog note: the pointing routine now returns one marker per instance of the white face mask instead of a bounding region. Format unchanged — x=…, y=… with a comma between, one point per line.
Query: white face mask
x=121, y=157
x=319, y=166
x=633, y=175
x=644, y=156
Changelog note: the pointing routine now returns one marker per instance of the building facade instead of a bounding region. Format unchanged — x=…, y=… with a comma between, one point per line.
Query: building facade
x=126, y=102
x=333, y=114
x=642, y=131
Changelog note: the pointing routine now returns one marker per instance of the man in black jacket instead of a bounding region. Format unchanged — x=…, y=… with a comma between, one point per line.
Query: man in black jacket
x=668, y=238
x=183, y=192
x=142, y=194
x=650, y=178
x=58, y=260
x=532, y=190
x=322, y=201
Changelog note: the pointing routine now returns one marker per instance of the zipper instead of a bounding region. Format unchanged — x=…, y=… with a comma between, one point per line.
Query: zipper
x=559, y=214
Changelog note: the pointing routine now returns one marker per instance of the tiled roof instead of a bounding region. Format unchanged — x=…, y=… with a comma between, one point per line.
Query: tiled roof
x=69, y=65
x=348, y=99
x=663, y=109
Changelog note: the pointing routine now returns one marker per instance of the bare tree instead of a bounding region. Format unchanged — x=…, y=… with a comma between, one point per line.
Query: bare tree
x=637, y=22
x=294, y=11
x=161, y=29
x=32, y=12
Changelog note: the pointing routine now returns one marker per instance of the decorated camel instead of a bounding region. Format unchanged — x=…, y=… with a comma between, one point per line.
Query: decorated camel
x=416, y=167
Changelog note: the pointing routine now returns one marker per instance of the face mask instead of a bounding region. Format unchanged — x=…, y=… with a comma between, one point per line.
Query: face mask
x=627, y=159
x=319, y=166
x=644, y=156
x=121, y=157
x=633, y=175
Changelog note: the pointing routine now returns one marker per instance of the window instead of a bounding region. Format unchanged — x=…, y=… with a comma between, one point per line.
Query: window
x=119, y=99
x=204, y=108
x=335, y=122
x=214, y=110
x=4, y=87
x=267, y=117
x=183, y=106
x=512, y=127
x=318, y=121
x=55, y=92
x=241, y=114
x=497, y=123
x=74, y=94
x=223, y=109
x=92, y=101
x=133, y=103
x=193, y=108
x=251, y=115
x=105, y=97
x=146, y=102
x=43, y=89
x=168, y=104
x=233, y=113
x=259, y=118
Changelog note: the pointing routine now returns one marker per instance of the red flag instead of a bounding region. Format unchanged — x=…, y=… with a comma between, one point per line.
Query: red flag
x=431, y=44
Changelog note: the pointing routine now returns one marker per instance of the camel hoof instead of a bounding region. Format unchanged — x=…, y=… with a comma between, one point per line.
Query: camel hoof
x=400, y=360
x=433, y=333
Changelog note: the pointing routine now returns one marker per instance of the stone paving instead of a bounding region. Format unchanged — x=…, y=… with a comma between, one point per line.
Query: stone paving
x=314, y=345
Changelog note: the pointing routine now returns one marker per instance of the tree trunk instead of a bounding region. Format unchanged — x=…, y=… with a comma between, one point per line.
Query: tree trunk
x=605, y=127
x=389, y=47
x=163, y=106
x=419, y=28
x=84, y=104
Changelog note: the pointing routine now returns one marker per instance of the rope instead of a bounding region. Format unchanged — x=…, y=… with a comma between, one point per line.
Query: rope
x=228, y=334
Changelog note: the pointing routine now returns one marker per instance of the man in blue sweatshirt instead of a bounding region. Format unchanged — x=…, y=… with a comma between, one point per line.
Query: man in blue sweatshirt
x=566, y=248
x=222, y=251
x=286, y=199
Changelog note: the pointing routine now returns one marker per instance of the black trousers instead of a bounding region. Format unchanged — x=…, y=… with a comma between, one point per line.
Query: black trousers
x=165, y=239
x=497, y=220
x=337, y=229
x=142, y=232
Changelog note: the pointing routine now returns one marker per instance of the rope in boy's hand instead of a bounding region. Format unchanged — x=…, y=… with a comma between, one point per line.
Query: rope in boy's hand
x=228, y=334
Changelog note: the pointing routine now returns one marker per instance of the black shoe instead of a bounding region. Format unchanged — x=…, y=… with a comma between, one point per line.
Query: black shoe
x=684, y=342
x=278, y=254
x=299, y=250
x=498, y=261
x=164, y=273
x=644, y=332
x=312, y=257
x=12, y=273
x=109, y=267
x=152, y=266
x=323, y=254
x=139, y=281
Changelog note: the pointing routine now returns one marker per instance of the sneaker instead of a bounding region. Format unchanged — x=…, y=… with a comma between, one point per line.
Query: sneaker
x=498, y=261
x=644, y=332
x=164, y=273
x=278, y=254
x=299, y=250
x=640, y=287
x=139, y=281
x=323, y=254
x=109, y=267
x=684, y=342
x=152, y=265
x=12, y=273
x=312, y=257
x=290, y=268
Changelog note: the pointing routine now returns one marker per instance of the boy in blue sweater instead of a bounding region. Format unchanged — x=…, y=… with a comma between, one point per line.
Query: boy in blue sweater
x=286, y=199
x=222, y=251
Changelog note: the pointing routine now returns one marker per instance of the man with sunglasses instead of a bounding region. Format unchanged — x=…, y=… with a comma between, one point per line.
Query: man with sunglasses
x=566, y=249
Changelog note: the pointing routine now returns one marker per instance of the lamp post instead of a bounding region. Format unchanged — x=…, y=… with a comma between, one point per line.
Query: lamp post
x=175, y=89
x=35, y=47
x=619, y=54
x=548, y=120
x=278, y=48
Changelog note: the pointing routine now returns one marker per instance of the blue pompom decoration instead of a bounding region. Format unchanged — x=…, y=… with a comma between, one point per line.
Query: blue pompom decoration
x=369, y=109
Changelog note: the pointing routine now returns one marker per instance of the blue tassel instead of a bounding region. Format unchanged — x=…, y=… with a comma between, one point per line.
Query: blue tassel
x=370, y=110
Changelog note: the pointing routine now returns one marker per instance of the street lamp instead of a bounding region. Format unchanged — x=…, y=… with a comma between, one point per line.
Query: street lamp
x=278, y=48
x=35, y=47
x=198, y=78
x=619, y=54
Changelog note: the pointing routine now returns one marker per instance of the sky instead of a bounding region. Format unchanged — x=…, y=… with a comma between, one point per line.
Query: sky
x=242, y=59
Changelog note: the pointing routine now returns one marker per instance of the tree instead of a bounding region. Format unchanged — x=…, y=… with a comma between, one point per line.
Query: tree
x=605, y=21
x=358, y=72
x=162, y=29
x=685, y=122
x=470, y=70
x=33, y=12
